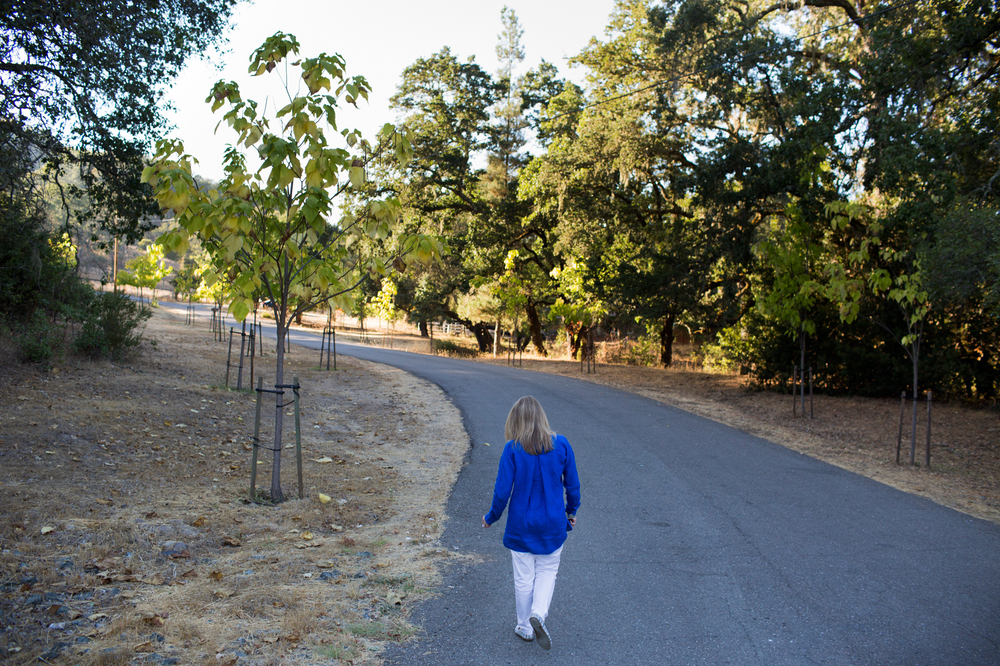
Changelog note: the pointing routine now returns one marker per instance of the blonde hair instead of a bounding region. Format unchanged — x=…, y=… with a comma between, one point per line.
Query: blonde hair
x=528, y=426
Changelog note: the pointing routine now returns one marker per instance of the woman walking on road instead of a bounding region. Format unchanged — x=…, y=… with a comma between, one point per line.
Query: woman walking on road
x=536, y=468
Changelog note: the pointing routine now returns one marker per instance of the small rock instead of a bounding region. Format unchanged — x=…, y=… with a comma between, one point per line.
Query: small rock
x=175, y=549
x=54, y=651
x=329, y=575
x=364, y=555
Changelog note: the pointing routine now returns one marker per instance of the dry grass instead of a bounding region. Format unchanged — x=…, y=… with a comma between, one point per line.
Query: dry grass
x=119, y=460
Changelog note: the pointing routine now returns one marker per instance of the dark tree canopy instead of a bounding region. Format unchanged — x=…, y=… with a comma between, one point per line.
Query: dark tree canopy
x=81, y=84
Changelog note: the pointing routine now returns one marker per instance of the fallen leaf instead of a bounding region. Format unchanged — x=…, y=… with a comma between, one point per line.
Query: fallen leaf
x=324, y=499
x=190, y=574
x=215, y=575
x=230, y=541
x=221, y=594
x=199, y=521
x=323, y=460
x=97, y=616
x=47, y=529
x=148, y=646
x=153, y=619
x=307, y=536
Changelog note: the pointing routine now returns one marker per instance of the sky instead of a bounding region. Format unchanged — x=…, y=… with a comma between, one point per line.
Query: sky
x=378, y=39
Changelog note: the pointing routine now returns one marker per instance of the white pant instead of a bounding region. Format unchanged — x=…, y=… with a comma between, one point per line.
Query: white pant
x=534, y=582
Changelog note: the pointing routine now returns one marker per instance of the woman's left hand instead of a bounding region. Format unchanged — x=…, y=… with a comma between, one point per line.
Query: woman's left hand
x=485, y=524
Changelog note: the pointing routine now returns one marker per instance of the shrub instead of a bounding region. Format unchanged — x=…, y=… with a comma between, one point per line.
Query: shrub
x=112, y=327
x=643, y=352
x=39, y=339
x=453, y=349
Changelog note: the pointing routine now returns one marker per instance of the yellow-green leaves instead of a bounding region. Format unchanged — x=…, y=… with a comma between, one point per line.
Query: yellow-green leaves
x=268, y=229
x=357, y=175
x=273, y=51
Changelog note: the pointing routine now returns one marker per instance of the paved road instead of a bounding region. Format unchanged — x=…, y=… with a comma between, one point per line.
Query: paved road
x=698, y=544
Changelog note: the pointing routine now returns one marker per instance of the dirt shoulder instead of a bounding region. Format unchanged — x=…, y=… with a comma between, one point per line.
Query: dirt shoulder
x=857, y=434
x=125, y=530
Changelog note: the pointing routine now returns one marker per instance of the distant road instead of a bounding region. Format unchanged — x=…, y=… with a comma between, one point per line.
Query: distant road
x=699, y=544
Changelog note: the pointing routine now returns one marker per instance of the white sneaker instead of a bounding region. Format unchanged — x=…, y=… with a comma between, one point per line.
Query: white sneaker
x=541, y=634
x=523, y=634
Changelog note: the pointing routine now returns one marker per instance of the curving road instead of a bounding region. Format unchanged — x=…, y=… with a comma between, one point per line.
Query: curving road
x=699, y=544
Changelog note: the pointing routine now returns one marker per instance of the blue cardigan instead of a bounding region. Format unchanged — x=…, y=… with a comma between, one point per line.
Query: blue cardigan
x=537, y=520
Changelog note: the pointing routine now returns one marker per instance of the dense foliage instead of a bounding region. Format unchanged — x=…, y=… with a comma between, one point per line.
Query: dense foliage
x=81, y=87
x=806, y=183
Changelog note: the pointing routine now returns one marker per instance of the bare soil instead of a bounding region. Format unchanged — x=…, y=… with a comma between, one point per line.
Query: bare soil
x=126, y=534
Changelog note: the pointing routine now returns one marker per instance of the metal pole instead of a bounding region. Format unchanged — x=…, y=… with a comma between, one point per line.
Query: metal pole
x=795, y=372
x=298, y=434
x=229, y=356
x=811, y=392
x=256, y=442
x=928, y=455
x=802, y=389
x=902, y=415
x=243, y=347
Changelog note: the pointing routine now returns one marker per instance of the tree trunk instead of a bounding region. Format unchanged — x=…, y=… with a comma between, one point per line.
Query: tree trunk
x=573, y=330
x=279, y=371
x=535, y=326
x=496, y=339
x=423, y=328
x=483, y=336
x=667, y=340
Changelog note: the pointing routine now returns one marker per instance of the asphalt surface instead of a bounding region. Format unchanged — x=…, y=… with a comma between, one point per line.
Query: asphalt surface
x=699, y=544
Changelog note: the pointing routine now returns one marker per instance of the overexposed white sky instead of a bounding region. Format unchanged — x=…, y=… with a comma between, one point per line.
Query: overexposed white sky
x=378, y=39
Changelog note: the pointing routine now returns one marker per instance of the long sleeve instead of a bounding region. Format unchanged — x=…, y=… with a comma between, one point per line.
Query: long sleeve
x=503, y=486
x=571, y=481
